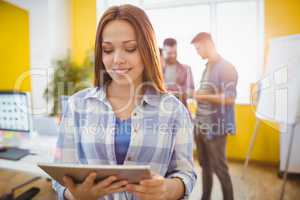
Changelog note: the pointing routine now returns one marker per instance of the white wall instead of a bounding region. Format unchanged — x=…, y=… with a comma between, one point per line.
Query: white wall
x=59, y=21
x=49, y=22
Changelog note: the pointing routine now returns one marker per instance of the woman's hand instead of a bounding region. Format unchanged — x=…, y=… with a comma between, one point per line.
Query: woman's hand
x=150, y=189
x=158, y=188
x=91, y=190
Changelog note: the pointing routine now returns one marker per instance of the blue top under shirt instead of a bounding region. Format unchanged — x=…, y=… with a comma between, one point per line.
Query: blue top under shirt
x=122, y=139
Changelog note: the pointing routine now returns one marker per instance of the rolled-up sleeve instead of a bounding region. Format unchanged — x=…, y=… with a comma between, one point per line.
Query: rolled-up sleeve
x=181, y=165
x=59, y=189
x=65, y=151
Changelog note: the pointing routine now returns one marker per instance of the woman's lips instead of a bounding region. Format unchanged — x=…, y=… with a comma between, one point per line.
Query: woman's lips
x=120, y=71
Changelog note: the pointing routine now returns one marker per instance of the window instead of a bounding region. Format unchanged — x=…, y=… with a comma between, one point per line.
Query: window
x=236, y=27
x=166, y=23
x=237, y=41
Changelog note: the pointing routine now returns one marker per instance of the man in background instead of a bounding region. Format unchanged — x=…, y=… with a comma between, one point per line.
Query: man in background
x=178, y=77
x=215, y=115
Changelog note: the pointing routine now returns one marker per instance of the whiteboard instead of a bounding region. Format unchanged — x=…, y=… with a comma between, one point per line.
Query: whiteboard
x=279, y=88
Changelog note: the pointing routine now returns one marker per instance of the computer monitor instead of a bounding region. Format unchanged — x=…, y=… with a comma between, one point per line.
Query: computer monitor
x=15, y=117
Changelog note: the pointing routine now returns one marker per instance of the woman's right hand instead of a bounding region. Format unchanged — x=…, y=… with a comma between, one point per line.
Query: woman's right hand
x=91, y=190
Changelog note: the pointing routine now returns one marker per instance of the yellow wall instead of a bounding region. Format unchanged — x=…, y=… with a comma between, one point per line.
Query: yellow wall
x=83, y=31
x=282, y=17
x=14, y=46
x=266, y=147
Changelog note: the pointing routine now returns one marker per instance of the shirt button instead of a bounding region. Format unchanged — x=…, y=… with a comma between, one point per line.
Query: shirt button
x=134, y=114
x=129, y=158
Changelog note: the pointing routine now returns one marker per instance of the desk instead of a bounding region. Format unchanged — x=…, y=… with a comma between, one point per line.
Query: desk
x=42, y=146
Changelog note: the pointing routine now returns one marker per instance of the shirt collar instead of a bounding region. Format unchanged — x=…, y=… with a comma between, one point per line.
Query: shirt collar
x=214, y=61
x=96, y=92
x=150, y=97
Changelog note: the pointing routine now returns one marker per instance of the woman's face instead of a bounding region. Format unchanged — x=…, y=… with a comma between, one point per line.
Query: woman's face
x=120, y=53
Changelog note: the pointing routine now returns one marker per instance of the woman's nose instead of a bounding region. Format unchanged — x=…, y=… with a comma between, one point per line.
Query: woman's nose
x=118, y=58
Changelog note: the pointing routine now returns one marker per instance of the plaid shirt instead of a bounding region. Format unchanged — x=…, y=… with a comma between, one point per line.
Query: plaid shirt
x=161, y=136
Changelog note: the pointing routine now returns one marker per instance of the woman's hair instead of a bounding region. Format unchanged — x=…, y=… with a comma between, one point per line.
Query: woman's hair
x=146, y=43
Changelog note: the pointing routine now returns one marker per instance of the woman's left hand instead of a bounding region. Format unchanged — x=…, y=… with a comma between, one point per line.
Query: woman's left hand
x=150, y=189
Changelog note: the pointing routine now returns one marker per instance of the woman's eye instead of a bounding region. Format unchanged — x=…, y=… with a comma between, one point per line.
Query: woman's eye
x=130, y=50
x=107, y=51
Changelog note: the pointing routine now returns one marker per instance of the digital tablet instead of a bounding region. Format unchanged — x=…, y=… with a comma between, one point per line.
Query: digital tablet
x=78, y=172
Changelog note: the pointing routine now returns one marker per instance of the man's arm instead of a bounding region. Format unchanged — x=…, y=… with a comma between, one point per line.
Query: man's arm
x=219, y=99
x=226, y=94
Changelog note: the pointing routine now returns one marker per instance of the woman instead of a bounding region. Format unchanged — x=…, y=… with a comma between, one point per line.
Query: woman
x=128, y=118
